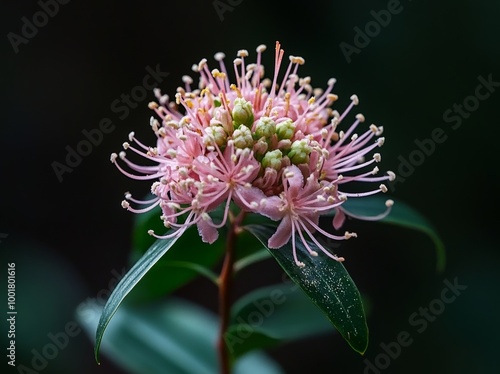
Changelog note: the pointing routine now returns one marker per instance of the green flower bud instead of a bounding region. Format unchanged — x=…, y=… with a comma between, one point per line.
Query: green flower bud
x=216, y=133
x=242, y=113
x=299, y=152
x=265, y=128
x=272, y=159
x=242, y=137
x=285, y=129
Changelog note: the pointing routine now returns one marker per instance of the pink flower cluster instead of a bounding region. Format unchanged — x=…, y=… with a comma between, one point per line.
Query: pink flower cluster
x=271, y=148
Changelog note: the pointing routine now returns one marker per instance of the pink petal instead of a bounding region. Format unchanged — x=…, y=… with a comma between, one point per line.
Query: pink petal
x=208, y=233
x=296, y=182
x=270, y=207
x=339, y=219
x=264, y=205
x=282, y=234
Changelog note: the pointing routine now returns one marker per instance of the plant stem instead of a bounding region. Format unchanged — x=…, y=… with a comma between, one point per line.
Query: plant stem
x=225, y=286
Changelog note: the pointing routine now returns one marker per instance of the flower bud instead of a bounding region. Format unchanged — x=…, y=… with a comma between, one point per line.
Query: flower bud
x=242, y=137
x=224, y=117
x=215, y=134
x=299, y=152
x=260, y=147
x=242, y=113
x=272, y=159
x=285, y=129
x=265, y=128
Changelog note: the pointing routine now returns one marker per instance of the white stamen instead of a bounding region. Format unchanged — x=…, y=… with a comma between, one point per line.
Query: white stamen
x=380, y=141
x=113, y=157
x=187, y=79
x=297, y=60
x=242, y=53
x=201, y=64
x=391, y=175
x=332, y=97
x=377, y=157
x=125, y=204
x=383, y=188
x=349, y=235
x=261, y=48
x=360, y=117
x=355, y=99
x=389, y=203
x=219, y=56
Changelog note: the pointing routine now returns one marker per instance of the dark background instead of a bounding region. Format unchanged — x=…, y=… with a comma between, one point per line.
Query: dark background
x=66, y=237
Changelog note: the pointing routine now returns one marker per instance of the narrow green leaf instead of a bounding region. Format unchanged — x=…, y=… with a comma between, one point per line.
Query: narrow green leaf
x=270, y=315
x=402, y=215
x=175, y=336
x=189, y=258
x=128, y=282
x=327, y=284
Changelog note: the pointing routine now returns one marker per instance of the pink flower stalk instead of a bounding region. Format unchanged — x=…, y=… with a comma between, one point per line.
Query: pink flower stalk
x=271, y=148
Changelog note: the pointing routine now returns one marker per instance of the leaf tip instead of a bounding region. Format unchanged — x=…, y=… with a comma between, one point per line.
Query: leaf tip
x=96, y=354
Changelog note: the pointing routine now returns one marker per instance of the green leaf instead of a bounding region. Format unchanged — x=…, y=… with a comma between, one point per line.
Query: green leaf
x=270, y=315
x=128, y=282
x=175, y=336
x=402, y=215
x=327, y=283
x=189, y=258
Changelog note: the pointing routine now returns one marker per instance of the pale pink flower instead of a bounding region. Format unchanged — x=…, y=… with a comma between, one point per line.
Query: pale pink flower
x=271, y=147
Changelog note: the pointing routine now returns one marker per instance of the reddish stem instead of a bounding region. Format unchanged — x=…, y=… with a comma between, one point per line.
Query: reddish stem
x=225, y=286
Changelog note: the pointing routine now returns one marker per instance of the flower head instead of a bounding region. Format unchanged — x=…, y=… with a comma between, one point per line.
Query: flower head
x=273, y=148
